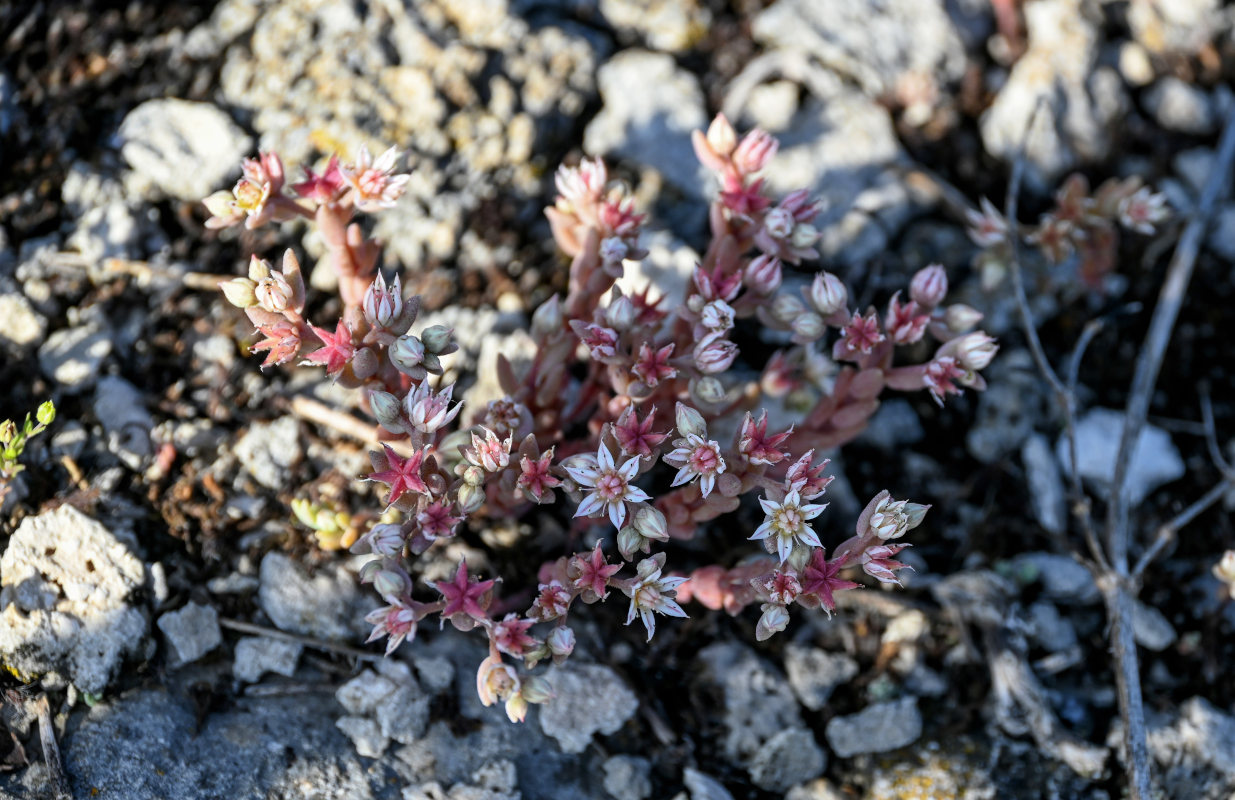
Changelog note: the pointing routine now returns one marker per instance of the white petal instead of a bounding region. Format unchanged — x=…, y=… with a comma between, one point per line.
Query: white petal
x=604, y=458
x=784, y=546
x=762, y=532
x=636, y=495
x=807, y=535
x=669, y=584
x=671, y=608
x=630, y=470
x=630, y=616
x=649, y=622
x=617, y=513
x=590, y=505
x=684, y=475
x=584, y=476
x=812, y=511
x=767, y=505
x=676, y=458
x=706, y=483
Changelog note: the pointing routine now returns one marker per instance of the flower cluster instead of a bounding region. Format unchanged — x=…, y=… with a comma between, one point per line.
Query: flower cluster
x=1082, y=223
x=627, y=409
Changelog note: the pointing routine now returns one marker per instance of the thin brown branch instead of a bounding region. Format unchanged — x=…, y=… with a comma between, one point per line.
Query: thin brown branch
x=1170, y=529
x=56, y=776
x=364, y=432
x=1211, y=437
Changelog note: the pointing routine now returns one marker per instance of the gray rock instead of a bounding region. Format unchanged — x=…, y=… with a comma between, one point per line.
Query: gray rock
x=894, y=424
x=65, y=584
x=885, y=46
x=877, y=728
x=1051, y=630
x=404, y=715
x=1177, y=26
x=756, y=701
x=1080, y=103
x=121, y=408
x=1180, y=106
x=1007, y=410
x=1154, y=461
x=362, y=694
x=703, y=786
x=1046, y=489
x=257, y=655
x=23, y=326
x=669, y=25
x=365, y=734
x=1150, y=628
x=186, y=149
x=191, y=632
x=149, y=744
x=1195, y=751
x=72, y=356
x=329, y=604
x=9, y=109
x=788, y=758
x=110, y=230
x=815, y=673
x=589, y=699
x=650, y=108
x=1063, y=579
x=628, y=777
x=270, y=451
x=842, y=146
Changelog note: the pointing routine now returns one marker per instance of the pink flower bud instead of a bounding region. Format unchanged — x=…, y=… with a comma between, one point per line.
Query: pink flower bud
x=548, y=318
x=960, y=317
x=722, y=138
x=828, y=293
x=383, y=305
x=620, y=315
x=755, y=151
x=974, y=351
x=808, y=327
x=715, y=355
x=763, y=275
x=774, y=620
x=561, y=641
x=929, y=286
x=689, y=421
x=407, y=354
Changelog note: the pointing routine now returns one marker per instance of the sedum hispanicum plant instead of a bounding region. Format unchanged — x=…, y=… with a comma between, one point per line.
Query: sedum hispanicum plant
x=619, y=411
x=13, y=442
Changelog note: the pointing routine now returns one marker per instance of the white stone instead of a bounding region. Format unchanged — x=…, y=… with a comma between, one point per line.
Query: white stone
x=1154, y=461
x=877, y=728
x=186, y=149
x=191, y=632
x=257, y=655
x=589, y=699
x=65, y=584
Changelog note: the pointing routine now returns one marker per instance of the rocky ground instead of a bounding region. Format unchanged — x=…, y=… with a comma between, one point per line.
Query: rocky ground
x=195, y=643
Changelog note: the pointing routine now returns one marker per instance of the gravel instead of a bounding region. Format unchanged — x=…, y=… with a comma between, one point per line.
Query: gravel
x=878, y=728
x=257, y=655
x=815, y=673
x=590, y=699
x=270, y=451
x=185, y=149
x=72, y=357
x=329, y=604
x=190, y=632
x=66, y=588
x=1155, y=459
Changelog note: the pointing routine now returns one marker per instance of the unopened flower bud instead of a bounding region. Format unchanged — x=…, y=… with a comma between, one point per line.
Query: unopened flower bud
x=974, y=351
x=929, y=286
x=755, y=151
x=259, y=268
x=46, y=413
x=786, y=308
x=620, y=314
x=385, y=540
x=763, y=275
x=561, y=641
x=630, y=541
x=385, y=407
x=548, y=318
x=471, y=498
x=437, y=338
x=274, y=293
x=960, y=317
x=613, y=250
x=689, y=421
x=365, y=363
x=650, y=522
x=1224, y=571
x=808, y=327
x=804, y=235
x=715, y=356
x=240, y=292
x=778, y=223
x=828, y=293
x=383, y=305
x=721, y=136
x=536, y=690
x=774, y=620
x=708, y=390
x=407, y=353
x=473, y=475
x=390, y=583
